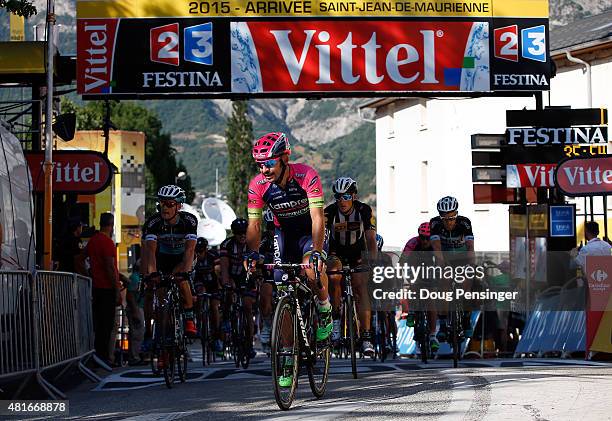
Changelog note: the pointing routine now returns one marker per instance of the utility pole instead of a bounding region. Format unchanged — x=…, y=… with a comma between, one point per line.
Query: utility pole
x=48, y=207
x=106, y=125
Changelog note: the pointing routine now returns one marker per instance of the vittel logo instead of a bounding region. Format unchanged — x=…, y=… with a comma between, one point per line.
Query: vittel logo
x=336, y=51
x=96, y=38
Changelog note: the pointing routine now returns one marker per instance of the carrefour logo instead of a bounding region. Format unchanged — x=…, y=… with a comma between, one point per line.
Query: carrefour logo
x=599, y=275
x=532, y=43
x=165, y=44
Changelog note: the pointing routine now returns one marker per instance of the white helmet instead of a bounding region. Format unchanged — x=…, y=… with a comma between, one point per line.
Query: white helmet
x=447, y=204
x=344, y=185
x=172, y=192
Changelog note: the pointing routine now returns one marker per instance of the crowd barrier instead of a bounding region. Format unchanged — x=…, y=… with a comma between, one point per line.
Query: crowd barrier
x=45, y=323
x=18, y=350
x=556, y=325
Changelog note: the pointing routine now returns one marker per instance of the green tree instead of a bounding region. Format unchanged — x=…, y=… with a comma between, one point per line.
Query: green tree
x=160, y=156
x=19, y=7
x=241, y=167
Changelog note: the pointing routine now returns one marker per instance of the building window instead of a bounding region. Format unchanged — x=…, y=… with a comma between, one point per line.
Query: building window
x=423, y=115
x=424, y=187
x=392, y=198
x=391, y=115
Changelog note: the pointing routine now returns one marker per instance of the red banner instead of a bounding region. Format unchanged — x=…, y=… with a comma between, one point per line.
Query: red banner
x=96, y=40
x=530, y=175
x=585, y=176
x=84, y=172
x=599, y=277
x=366, y=55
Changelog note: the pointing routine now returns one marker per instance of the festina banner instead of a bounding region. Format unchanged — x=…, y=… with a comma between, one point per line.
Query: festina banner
x=152, y=56
x=530, y=175
x=377, y=47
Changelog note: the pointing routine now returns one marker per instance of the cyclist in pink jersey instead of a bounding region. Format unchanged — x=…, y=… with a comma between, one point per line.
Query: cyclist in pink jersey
x=295, y=196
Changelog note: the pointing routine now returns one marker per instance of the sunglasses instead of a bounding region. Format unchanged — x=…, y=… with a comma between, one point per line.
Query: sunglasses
x=448, y=218
x=345, y=196
x=168, y=203
x=270, y=163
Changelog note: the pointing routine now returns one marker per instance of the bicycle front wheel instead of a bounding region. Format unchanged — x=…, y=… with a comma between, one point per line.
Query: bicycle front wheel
x=318, y=366
x=455, y=341
x=284, y=353
x=236, y=339
x=169, y=355
x=245, y=358
x=350, y=320
x=382, y=337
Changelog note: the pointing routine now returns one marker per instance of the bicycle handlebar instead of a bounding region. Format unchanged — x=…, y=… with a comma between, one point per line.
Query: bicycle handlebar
x=282, y=266
x=347, y=270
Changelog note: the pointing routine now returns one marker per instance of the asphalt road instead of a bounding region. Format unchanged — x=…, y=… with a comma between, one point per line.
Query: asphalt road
x=401, y=389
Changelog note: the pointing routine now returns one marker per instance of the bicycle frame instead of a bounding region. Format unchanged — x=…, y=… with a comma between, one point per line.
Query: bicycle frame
x=288, y=289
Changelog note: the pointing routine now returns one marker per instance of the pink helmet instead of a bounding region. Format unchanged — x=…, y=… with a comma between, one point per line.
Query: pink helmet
x=270, y=146
x=424, y=229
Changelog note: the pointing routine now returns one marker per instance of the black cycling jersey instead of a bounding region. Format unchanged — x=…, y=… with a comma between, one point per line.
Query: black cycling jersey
x=204, y=269
x=347, y=232
x=170, y=239
x=266, y=247
x=455, y=239
x=235, y=252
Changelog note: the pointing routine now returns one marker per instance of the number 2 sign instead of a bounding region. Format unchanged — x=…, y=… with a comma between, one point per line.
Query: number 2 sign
x=164, y=42
x=506, y=42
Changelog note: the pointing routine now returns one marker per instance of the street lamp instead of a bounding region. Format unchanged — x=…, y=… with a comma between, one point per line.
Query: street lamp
x=180, y=176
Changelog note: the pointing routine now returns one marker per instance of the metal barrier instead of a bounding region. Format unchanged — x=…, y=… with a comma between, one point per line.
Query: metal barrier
x=556, y=325
x=17, y=339
x=46, y=322
x=56, y=309
x=84, y=314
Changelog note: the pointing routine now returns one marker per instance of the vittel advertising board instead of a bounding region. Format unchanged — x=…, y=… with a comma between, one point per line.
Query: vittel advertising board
x=289, y=48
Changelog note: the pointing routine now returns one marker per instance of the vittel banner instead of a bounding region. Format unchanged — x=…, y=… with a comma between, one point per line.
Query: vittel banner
x=95, y=54
x=353, y=56
x=530, y=175
x=238, y=48
x=84, y=172
x=585, y=176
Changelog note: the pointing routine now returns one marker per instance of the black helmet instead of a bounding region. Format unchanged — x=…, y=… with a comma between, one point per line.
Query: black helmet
x=239, y=226
x=344, y=185
x=201, y=244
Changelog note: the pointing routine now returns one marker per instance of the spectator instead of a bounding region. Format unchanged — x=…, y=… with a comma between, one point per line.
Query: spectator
x=70, y=252
x=135, y=314
x=102, y=254
x=593, y=247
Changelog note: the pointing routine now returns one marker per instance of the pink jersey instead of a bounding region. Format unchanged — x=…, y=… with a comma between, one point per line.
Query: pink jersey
x=290, y=206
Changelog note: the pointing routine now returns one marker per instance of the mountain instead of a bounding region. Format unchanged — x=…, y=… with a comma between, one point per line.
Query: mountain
x=326, y=133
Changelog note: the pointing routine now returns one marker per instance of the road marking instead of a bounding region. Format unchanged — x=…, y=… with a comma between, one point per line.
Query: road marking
x=162, y=416
x=323, y=410
x=461, y=400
